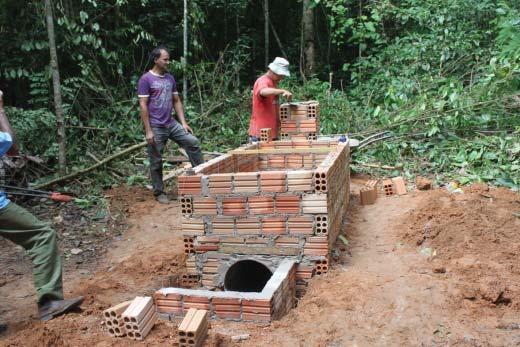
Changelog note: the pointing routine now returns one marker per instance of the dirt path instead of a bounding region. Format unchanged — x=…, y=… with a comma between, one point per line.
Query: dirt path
x=377, y=294
x=387, y=292
x=425, y=269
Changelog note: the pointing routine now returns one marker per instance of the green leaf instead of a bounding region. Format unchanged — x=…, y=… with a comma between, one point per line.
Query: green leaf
x=83, y=16
x=370, y=26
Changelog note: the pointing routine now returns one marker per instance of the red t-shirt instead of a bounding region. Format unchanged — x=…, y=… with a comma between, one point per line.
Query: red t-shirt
x=265, y=108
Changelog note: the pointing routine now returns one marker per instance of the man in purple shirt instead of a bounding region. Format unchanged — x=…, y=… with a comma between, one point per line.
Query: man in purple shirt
x=158, y=96
x=37, y=238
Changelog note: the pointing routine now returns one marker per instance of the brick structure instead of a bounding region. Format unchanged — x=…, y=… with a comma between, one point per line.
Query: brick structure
x=299, y=120
x=270, y=203
x=273, y=302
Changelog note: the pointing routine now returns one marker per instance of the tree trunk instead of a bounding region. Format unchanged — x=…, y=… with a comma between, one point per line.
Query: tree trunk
x=185, y=56
x=308, y=38
x=266, y=31
x=60, y=122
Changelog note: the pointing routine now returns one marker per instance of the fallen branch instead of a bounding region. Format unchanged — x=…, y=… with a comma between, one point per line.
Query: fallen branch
x=91, y=168
x=115, y=172
x=85, y=128
x=377, y=166
x=213, y=153
x=169, y=159
x=173, y=174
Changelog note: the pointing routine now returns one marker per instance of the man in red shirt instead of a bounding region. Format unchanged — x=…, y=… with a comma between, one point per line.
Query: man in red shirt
x=265, y=99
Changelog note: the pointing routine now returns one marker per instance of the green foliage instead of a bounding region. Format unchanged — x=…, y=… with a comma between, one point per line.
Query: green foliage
x=35, y=130
x=441, y=75
x=440, y=84
x=134, y=180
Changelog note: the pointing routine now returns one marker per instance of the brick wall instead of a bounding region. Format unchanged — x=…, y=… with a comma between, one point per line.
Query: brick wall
x=272, y=209
x=275, y=300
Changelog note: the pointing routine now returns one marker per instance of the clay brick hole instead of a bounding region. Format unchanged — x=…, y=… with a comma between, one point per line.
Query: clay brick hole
x=247, y=276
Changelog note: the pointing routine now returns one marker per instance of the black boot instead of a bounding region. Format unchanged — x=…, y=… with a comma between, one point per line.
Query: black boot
x=50, y=309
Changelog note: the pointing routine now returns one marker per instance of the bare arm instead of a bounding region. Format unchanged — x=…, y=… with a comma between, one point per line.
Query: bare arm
x=179, y=110
x=145, y=117
x=275, y=91
x=5, y=126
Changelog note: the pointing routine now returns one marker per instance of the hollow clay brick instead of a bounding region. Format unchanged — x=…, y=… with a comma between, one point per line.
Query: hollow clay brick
x=272, y=175
x=388, y=187
x=186, y=321
x=169, y=296
x=196, y=299
x=117, y=310
x=228, y=314
x=257, y=302
x=205, y=248
x=261, y=204
x=150, y=315
x=198, y=324
x=168, y=303
x=256, y=309
x=256, y=317
x=399, y=185
x=137, y=309
x=198, y=306
x=288, y=204
x=368, y=195
x=227, y=308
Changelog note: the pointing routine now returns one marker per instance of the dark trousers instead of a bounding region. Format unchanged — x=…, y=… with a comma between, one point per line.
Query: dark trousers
x=39, y=240
x=184, y=139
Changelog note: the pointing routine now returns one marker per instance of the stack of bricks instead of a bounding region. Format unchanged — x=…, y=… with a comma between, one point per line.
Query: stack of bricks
x=273, y=302
x=299, y=120
x=114, y=320
x=193, y=328
x=139, y=317
x=266, y=135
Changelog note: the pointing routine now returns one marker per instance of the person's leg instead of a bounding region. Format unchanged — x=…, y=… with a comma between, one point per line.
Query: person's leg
x=187, y=141
x=39, y=240
x=155, y=158
x=24, y=229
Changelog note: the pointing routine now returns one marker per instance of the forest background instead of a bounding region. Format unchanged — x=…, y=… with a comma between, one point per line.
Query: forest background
x=441, y=76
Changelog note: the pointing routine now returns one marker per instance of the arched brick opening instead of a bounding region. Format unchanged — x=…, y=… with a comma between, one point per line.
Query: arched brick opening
x=247, y=276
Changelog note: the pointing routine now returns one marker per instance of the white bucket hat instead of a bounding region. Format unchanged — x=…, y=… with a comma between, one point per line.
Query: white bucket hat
x=280, y=66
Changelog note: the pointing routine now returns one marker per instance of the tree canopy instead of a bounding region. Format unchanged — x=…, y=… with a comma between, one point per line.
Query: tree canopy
x=441, y=75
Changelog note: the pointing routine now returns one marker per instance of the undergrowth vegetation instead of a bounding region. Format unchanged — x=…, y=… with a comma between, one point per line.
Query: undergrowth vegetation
x=441, y=76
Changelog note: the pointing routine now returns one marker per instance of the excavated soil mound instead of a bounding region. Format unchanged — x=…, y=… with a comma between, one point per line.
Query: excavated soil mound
x=473, y=236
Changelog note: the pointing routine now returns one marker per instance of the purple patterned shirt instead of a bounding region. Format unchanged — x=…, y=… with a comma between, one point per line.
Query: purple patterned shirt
x=159, y=91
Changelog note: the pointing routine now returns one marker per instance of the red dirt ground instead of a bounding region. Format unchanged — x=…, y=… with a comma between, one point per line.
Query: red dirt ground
x=429, y=268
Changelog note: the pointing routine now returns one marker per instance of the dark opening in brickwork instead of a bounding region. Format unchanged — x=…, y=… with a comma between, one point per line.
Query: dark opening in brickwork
x=247, y=276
